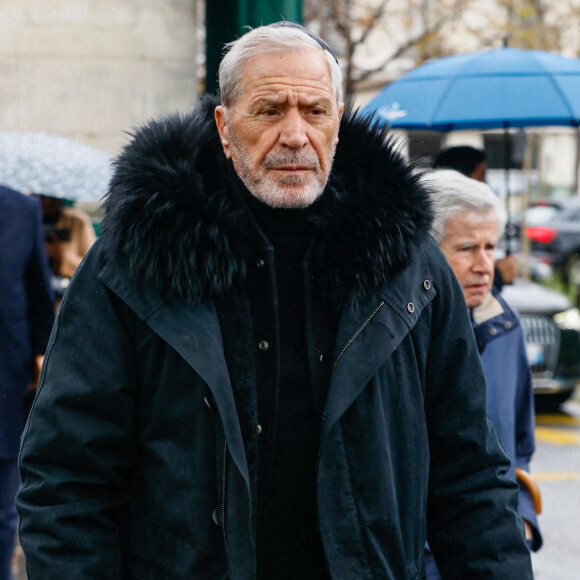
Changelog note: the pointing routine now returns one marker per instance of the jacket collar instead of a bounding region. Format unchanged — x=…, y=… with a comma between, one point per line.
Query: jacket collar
x=171, y=218
x=494, y=320
x=488, y=309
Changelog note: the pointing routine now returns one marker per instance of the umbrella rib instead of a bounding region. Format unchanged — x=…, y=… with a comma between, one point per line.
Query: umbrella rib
x=450, y=83
x=559, y=91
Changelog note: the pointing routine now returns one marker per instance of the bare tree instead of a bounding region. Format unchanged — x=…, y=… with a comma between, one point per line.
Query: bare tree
x=371, y=35
x=396, y=28
x=552, y=25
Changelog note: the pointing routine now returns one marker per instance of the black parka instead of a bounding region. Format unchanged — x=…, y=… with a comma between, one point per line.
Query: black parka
x=134, y=463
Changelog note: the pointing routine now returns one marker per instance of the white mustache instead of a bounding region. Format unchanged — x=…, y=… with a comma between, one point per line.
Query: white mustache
x=274, y=160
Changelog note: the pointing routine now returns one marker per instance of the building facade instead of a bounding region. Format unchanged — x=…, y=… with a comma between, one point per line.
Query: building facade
x=92, y=69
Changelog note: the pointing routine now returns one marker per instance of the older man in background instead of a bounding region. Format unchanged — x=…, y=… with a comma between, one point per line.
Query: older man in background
x=472, y=162
x=277, y=377
x=469, y=220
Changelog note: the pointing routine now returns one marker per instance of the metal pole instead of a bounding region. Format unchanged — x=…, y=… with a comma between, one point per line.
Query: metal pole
x=576, y=186
x=506, y=165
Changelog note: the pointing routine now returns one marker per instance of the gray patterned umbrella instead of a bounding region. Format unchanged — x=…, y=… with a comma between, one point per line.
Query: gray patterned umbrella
x=53, y=165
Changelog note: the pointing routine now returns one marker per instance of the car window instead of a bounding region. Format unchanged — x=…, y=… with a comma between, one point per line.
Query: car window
x=573, y=216
x=540, y=215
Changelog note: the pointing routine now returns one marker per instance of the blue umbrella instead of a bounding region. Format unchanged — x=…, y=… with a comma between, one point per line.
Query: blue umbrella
x=502, y=88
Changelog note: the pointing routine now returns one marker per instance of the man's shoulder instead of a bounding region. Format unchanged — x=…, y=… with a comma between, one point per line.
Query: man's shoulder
x=17, y=201
x=438, y=266
x=427, y=265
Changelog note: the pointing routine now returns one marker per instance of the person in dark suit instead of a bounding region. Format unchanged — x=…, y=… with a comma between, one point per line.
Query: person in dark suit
x=26, y=318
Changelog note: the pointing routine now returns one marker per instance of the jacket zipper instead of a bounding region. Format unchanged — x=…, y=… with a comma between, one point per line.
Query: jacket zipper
x=224, y=493
x=355, y=336
x=344, y=349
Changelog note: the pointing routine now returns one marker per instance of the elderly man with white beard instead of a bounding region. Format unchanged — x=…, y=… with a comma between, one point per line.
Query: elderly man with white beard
x=276, y=372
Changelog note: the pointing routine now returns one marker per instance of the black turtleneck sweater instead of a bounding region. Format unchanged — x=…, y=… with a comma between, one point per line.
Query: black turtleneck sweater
x=289, y=543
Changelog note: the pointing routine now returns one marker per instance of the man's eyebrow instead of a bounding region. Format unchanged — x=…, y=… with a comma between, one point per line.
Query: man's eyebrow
x=303, y=101
x=266, y=101
x=320, y=101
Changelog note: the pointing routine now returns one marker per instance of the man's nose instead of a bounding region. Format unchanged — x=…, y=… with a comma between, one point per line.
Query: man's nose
x=293, y=132
x=483, y=262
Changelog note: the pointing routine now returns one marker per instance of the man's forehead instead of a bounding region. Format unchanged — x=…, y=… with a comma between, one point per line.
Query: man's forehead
x=277, y=71
x=472, y=225
x=303, y=95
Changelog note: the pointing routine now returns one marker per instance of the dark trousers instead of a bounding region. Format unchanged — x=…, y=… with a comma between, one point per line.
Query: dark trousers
x=9, y=482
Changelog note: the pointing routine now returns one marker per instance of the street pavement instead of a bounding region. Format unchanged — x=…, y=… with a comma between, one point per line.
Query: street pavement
x=556, y=468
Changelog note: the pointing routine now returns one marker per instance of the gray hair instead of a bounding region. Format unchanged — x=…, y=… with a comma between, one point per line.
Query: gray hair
x=263, y=40
x=452, y=192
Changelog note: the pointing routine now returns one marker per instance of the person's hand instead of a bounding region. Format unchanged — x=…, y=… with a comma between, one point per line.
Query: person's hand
x=508, y=268
x=529, y=530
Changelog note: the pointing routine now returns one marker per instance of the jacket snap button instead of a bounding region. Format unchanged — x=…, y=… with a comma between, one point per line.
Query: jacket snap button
x=260, y=263
x=493, y=331
x=259, y=429
x=215, y=518
x=411, y=307
x=208, y=404
x=322, y=358
x=508, y=325
x=263, y=345
x=427, y=284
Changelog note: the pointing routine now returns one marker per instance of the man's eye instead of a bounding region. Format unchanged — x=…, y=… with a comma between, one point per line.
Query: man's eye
x=270, y=112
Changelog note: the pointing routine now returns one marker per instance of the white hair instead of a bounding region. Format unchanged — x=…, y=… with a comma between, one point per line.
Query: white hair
x=452, y=192
x=263, y=40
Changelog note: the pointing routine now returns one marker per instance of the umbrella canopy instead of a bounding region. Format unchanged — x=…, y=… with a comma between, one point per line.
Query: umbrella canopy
x=502, y=88
x=53, y=165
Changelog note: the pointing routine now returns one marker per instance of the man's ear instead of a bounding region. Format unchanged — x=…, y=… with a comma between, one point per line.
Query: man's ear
x=220, y=119
x=340, y=111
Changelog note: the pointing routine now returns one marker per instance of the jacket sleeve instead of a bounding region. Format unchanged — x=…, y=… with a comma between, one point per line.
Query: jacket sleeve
x=38, y=289
x=525, y=442
x=78, y=447
x=473, y=526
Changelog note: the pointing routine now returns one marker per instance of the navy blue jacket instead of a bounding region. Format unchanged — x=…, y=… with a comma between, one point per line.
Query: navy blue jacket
x=510, y=399
x=26, y=309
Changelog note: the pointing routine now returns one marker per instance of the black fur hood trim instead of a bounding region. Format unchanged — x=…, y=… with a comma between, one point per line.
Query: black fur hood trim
x=172, y=219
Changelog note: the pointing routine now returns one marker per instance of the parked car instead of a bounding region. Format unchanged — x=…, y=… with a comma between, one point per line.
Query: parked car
x=554, y=230
x=551, y=328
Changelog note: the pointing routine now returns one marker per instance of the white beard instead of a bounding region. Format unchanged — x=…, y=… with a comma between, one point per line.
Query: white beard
x=282, y=192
